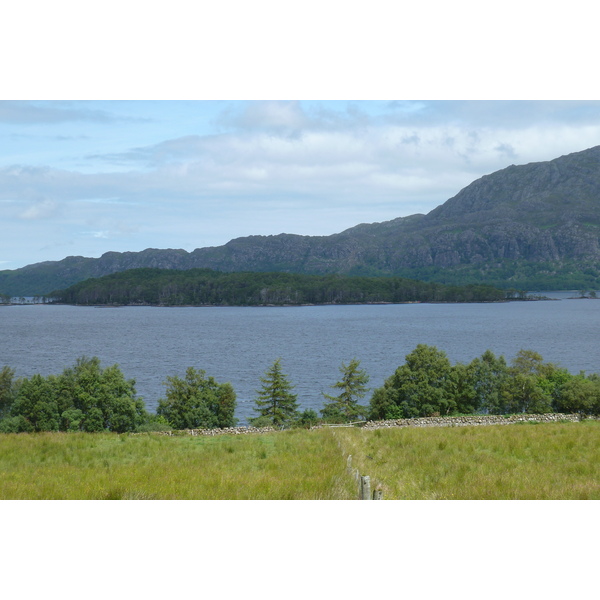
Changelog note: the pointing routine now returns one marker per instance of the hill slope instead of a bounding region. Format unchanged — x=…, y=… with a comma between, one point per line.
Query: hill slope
x=534, y=225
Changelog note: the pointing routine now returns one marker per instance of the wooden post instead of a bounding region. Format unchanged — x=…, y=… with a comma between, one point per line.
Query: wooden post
x=377, y=494
x=365, y=487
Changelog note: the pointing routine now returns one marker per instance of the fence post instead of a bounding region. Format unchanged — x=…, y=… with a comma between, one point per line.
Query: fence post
x=365, y=487
x=378, y=495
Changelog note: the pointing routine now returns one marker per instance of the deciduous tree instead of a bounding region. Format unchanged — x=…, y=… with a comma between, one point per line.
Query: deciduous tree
x=420, y=387
x=197, y=401
x=489, y=375
x=85, y=397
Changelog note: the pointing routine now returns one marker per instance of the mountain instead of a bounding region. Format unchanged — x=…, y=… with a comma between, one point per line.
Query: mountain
x=533, y=226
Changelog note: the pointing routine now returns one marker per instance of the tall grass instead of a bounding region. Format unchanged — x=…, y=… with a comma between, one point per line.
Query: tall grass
x=283, y=465
x=529, y=461
x=544, y=461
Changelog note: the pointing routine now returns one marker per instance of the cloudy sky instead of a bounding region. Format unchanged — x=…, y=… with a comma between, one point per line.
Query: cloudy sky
x=125, y=126
x=86, y=177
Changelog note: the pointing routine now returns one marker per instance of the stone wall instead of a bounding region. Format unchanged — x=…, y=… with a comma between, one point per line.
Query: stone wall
x=224, y=431
x=470, y=420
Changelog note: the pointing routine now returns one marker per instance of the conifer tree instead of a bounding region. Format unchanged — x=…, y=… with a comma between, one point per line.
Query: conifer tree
x=344, y=407
x=276, y=404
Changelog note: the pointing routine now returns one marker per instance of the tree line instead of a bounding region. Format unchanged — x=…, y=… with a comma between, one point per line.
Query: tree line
x=88, y=397
x=200, y=287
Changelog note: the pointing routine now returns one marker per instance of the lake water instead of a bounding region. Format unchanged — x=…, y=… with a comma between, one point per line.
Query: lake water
x=239, y=344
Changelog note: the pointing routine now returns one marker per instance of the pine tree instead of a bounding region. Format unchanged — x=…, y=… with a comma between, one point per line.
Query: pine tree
x=276, y=405
x=344, y=407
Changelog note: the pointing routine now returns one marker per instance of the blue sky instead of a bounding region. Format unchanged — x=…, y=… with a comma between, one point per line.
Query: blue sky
x=86, y=177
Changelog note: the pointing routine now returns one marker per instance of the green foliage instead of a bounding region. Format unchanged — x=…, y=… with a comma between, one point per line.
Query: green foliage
x=276, y=404
x=72, y=419
x=522, y=394
x=104, y=395
x=262, y=421
x=18, y=424
x=7, y=390
x=89, y=398
x=344, y=407
x=198, y=287
x=308, y=418
x=428, y=385
x=461, y=387
x=83, y=398
x=528, y=362
x=579, y=394
x=489, y=375
x=37, y=403
x=533, y=385
x=154, y=423
x=422, y=387
x=197, y=402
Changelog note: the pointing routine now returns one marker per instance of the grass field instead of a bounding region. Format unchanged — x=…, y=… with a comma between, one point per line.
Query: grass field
x=543, y=461
x=285, y=465
x=505, y=462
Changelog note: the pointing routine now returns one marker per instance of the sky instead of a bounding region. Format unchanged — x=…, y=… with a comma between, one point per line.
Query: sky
x=89, y=176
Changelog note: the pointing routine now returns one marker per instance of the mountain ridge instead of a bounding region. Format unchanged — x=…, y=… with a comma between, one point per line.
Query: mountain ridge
x=507, y=227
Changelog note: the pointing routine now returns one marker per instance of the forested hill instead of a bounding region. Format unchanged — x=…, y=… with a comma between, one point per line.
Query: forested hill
x=201, y=287
x=533, y=226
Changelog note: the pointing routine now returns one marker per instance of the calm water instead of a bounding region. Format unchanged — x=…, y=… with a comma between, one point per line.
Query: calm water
x=239, y=344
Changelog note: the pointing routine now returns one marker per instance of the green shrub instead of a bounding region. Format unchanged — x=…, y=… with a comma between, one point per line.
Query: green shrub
x=308, y=418
x=18, y=424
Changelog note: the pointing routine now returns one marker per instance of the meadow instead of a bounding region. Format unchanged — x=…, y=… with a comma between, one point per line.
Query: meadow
x=530, y=461
x=287, y=465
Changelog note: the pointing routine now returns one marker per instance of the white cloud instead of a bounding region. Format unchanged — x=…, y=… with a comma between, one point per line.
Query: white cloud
x=44, y=209
x=104, y=235
x=271, y=116
x=395, y=164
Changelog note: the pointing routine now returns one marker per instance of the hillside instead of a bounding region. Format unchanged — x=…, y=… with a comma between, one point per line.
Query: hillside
x=533, y=226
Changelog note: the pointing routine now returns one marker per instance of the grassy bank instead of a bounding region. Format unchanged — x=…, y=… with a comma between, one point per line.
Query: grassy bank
x=544, y=461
